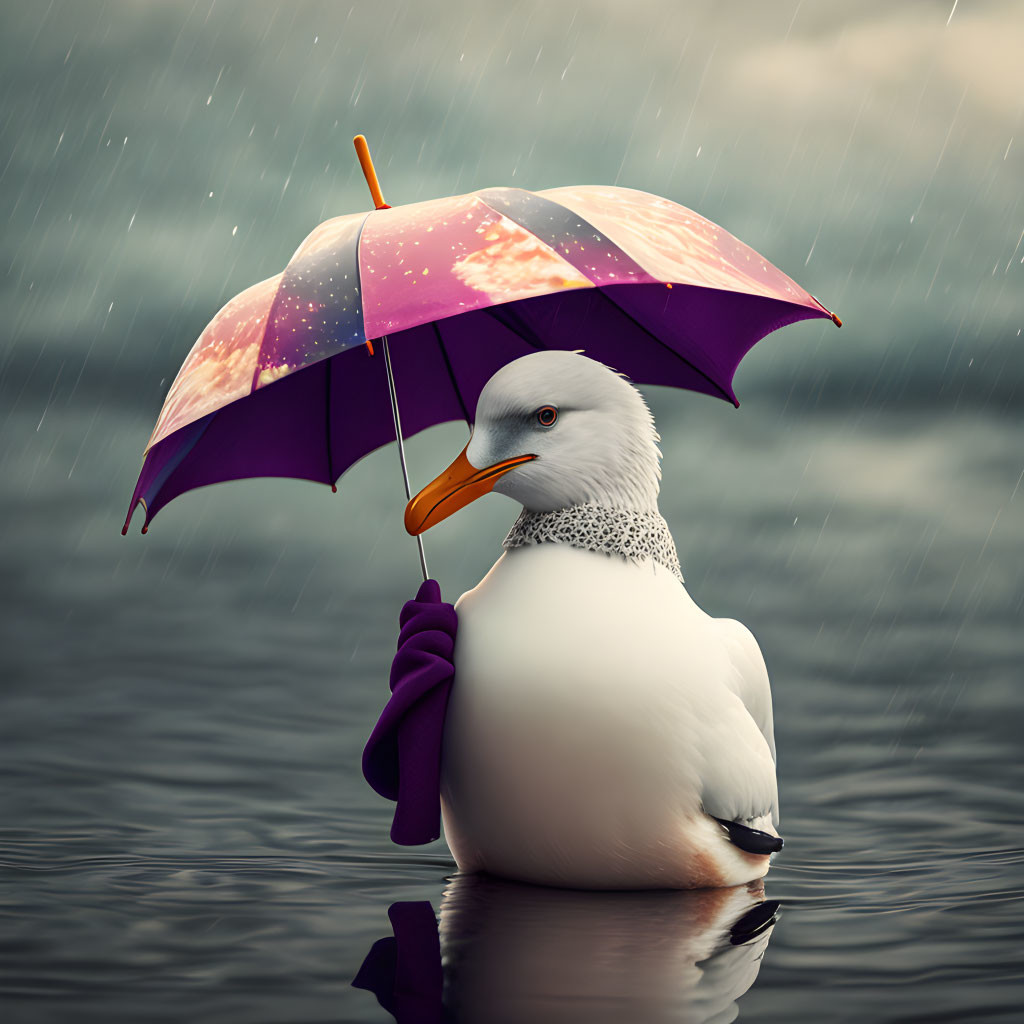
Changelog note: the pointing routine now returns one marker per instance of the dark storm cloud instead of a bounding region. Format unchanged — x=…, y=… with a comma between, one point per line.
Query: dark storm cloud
x=160, y=157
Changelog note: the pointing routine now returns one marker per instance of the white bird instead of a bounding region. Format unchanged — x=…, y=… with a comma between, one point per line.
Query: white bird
x=603, y=732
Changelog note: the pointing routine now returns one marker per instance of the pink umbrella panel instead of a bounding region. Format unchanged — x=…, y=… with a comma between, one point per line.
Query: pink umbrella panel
x=284, y=382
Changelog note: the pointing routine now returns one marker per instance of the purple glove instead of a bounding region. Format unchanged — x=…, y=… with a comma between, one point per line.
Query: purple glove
x=402, y=759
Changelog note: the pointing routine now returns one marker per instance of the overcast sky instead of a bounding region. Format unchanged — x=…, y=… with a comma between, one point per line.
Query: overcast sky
x=158, y=158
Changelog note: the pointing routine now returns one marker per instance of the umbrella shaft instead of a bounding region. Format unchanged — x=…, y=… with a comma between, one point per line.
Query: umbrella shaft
x=401, y=445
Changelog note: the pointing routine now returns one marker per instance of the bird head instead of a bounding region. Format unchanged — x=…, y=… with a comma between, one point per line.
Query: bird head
x=552, y=430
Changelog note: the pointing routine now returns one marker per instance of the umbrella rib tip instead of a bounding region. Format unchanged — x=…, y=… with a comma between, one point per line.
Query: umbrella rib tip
x=131, y=512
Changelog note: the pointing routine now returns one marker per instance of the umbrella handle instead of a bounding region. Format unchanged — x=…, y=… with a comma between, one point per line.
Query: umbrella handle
x=401, y=446
x=366, y=163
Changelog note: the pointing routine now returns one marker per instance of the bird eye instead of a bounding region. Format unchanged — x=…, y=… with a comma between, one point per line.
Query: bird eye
x=546, y=415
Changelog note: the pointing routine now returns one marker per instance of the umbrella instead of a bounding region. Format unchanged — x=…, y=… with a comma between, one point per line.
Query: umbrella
x=287, y=380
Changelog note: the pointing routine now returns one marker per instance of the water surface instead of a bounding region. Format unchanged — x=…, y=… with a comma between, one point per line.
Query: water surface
x=186, y=835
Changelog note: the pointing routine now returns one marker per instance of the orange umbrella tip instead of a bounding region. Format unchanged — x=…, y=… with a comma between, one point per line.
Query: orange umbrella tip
x=366, y=163
x=832, y=316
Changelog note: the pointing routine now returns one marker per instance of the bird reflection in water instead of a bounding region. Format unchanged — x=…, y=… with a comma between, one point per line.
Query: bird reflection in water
x=509, y=952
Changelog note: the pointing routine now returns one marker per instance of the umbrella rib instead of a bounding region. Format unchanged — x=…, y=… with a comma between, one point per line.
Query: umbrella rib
x=451, y=371
x=516, y=325
x=718, y=387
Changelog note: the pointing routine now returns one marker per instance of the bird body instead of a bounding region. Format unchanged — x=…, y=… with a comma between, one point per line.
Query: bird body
x=602, y=731
x=594, y=713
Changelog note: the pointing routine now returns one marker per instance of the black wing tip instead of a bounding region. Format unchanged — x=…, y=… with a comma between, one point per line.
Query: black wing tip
x=751, y=840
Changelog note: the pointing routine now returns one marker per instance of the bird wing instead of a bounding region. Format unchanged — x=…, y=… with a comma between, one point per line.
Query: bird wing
x=739, y=771
x=749, y=681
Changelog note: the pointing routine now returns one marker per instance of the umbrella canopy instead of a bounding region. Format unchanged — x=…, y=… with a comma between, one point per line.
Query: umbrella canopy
x=284, y=380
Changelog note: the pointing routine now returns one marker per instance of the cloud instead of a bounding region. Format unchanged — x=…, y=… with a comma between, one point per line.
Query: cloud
x=907, y=54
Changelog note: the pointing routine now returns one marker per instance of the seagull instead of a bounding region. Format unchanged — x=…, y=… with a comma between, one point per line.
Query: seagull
x=603, y=731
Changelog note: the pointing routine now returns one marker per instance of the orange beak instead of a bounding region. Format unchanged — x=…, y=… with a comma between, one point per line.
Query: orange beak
x=455, y=488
